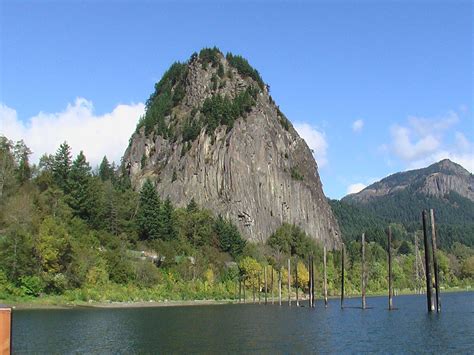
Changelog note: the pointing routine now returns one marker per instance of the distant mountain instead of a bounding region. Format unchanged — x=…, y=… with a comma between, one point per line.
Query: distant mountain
x=437, y=180
x=445, y=186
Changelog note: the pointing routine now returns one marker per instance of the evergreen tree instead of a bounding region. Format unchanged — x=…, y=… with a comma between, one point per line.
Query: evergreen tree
x=62, y=166
x=148, y=214
x=230, y=240
x=23, y=169
x=81, y=199
x=167, y=230
x=7, y=164
x=192, y=206
x=106, y=171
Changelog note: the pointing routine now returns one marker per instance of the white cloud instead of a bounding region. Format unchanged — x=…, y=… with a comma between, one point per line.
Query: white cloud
x=355, y=188
x=406, y=149
x=357, y=125
x=433, y=126
x=316, y=141
x=97, y=136
x=421, y=142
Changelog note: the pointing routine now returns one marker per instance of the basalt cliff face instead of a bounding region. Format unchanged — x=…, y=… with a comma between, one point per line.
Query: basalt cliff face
x=212, y=133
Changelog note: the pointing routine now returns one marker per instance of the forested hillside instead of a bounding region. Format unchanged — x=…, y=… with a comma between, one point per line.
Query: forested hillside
x=445, y=187
x=81, y=234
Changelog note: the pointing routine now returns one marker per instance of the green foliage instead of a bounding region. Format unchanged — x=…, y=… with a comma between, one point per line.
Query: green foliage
x=106, y=171
x=250, y=270
x=31, y=285
x=52, y=246
x=169, y=91
x=166, y=223
x=94, y=238
x=23, y=170
x=210, y=56
x=148, y=214
x=62, y=166
x=191, y=129
x=7, y=167
x=244, y=68
x=230, y=240
x=295, y=174
x=283, y=120
x=292, y=240
x=220, y=110
x=82, y=195
x=220, y=70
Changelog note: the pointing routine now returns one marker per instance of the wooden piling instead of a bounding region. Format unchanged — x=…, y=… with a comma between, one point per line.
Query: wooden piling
x=289, y=282
x=364, y=303
x=240, y=289
x=435, y=260
x=429, y=298
x=296, y=282
x=5, y=330
x=342, y=276
x=273, y=296
x=310, y=284
x=325, y=279
x=265, y=277
x=258, y=289
x=279, y=287
x=253, y=293
x=245, y=298
x=389, y=252
x=417, y=272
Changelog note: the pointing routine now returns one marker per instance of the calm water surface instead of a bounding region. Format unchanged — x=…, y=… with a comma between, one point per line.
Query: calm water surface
x=252, y=328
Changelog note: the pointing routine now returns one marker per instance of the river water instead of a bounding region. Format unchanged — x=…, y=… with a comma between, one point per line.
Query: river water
x=252, y=328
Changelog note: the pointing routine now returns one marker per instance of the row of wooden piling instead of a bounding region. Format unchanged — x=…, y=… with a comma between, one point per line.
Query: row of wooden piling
x=433, y=303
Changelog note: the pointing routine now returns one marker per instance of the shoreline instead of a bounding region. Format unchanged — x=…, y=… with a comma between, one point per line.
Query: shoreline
x=50, y=304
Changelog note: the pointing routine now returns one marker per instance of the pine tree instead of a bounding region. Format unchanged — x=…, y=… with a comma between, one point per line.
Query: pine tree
x=62, y=166
x=230, y=240
x=80, y=198
x=148, y=214
x=167, y=230
x=7, y=164
x=23, y=169
x=106, y=171
x=192, y=206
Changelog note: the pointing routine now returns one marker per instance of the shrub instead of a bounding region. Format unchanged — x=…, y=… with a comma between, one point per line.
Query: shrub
x=31, y=285
x=244, y=68
x=295, y=174
x=209, y=56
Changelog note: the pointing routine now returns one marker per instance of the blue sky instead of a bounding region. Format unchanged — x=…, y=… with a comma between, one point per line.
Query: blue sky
x=401, y=69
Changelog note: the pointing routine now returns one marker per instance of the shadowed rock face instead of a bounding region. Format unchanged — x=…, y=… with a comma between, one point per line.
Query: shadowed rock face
x=437, y=180
x=259, y=173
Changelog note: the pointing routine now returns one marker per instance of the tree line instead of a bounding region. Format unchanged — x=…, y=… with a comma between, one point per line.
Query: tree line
x=79, y=233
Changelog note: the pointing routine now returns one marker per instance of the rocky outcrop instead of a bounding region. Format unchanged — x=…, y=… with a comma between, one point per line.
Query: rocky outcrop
x=259, y=172
x=437, y=180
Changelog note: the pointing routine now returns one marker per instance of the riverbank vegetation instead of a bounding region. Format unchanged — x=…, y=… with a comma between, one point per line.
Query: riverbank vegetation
x=71, y=233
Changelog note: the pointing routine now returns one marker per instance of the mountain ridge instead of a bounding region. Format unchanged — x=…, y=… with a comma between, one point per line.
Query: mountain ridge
x=438, y=179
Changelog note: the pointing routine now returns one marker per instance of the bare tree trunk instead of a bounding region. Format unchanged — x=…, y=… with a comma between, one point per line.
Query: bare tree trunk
x=296, y=283
x=364, y=304
x=435, y=260
x=429, y=290
x=279, y=287
x=389, y=251
x=342, y=276
x=289, y=282
x=325, y=280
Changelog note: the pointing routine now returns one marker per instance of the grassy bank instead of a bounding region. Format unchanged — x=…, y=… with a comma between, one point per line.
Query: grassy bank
x=129, y=300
